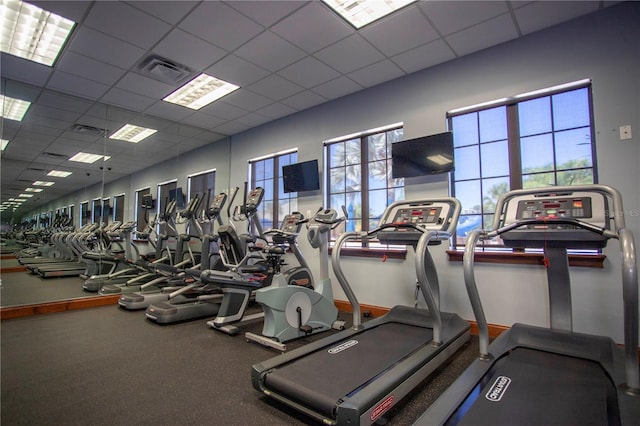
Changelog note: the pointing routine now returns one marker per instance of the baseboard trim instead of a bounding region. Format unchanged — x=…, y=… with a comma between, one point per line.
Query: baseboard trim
x=65, y=305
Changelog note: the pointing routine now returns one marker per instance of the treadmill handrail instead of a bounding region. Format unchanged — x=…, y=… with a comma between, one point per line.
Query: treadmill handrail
x=628, y=265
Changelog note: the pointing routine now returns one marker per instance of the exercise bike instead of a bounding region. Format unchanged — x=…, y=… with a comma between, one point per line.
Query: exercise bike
x=298, y=307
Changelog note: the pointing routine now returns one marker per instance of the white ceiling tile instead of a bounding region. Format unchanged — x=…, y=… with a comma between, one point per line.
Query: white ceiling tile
x=246, y=100
x=275, y=87
x=104, y=48
x=204, y=121
x=73, y=9
x=232, y=127
x=221, y=25
x=169, y=111
x=88, y=68
x=349, y=54
x=337, y=88
x=127, y=99
x=66, y=102
x=237, y=71
x=169, y=11
x=223, y=110
x=489, y=33
x=304, y=100
x=266, y=13
x=276, y=110
x=54, y=113
x=377, y=73
x=309, y=72
x=424, y=56
x=24, y=70
x=126, y=23
x=313, y=27
x=182, y=47
x=409, y=28
x=145, y=86
x=252, y=119
x=270, y=51
x=451, y=16
x=542, y=14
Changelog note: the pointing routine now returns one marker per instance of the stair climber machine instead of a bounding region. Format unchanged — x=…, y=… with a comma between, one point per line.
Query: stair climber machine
x=164, y=254
x=355, y=376
x=182, y=280
x=533, y=375
x=241, y=260
x=121, y=266
x=299, y=307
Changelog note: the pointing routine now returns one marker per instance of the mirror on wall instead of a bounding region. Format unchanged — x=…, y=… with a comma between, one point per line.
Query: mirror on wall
x=55, y=128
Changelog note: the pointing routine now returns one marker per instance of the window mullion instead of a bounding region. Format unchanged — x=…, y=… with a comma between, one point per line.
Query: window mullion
x=513, y=135
x=364, y=185
x=275, y=202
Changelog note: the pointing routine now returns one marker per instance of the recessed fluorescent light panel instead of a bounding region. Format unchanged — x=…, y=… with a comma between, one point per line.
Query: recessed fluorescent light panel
x=58, y=173
x=200, y=91
x=34, y=189
x=439, y=159
x=32, y=33
x=131, y=133
x=13, y=109
x=42, y=183
x=25, y=195
x=3, y=144
x=362, y=12
x=83, y=157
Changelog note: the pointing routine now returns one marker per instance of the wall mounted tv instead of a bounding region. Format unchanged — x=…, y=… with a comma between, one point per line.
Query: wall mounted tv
x=147, y=202
x=422, y=156
x=301, y=176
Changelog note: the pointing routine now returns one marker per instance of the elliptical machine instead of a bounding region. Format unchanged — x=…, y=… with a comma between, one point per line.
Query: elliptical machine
x=300, y=308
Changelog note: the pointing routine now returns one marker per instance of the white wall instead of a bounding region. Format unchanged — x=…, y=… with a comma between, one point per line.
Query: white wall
x=604, y=47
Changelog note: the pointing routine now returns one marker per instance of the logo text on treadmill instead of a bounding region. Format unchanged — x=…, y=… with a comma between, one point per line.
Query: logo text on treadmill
x=382, y=407
x=498, y=389
x=342, y=347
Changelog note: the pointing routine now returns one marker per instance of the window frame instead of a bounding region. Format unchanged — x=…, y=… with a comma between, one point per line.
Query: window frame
x=497, y=252
x=277, y=183
x=138, y=211
x=210, y=192
x=366, y=248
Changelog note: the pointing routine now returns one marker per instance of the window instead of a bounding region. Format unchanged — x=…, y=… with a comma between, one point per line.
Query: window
x=266, y=172
x=203, y=184
x=347, y=161
x=141, y=214
x=528, y=141
x=96, y=210
x=84, y=213
x=106, y=211
x=166, y=193
x=118, y=208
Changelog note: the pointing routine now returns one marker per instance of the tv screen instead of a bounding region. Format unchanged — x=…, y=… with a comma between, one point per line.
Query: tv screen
x=422, y=156
x=301, y=176
x=147, y=201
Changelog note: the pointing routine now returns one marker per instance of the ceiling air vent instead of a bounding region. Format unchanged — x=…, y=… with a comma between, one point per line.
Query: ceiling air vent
x=54, y=155
x=88, y=130
x=164, y=70
x=34, y=169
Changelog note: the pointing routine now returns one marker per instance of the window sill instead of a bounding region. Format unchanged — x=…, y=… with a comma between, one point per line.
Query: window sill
x=584, y=260
x=372, y=253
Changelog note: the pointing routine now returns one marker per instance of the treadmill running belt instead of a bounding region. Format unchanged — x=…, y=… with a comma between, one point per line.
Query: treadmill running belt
x=531, y=387
x=320, y=379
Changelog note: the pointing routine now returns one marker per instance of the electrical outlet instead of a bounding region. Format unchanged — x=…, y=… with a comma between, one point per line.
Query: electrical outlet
x=625, y=132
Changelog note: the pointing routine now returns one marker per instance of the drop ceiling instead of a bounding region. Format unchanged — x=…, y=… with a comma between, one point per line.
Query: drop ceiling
x=286, y=56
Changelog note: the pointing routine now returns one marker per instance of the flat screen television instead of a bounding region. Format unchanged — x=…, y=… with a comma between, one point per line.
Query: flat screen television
x=301, y=176
x=147, y=201
x=422, y=156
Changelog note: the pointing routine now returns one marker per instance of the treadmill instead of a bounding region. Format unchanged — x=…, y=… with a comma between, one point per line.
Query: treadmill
x=551, y=376
x=355, y=376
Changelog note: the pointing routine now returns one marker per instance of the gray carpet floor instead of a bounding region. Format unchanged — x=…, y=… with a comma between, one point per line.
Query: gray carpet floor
x=107, y=366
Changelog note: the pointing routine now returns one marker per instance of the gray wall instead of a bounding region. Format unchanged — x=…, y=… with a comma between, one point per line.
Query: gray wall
x=604, y=47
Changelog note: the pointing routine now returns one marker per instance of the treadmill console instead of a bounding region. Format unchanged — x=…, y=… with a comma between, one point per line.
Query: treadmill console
x=589, y=208
x=428, y=216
